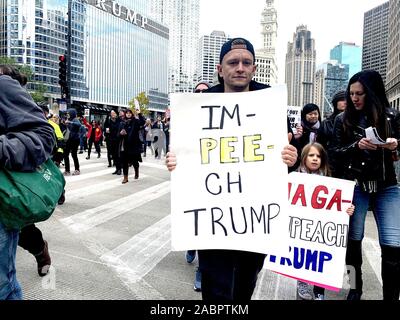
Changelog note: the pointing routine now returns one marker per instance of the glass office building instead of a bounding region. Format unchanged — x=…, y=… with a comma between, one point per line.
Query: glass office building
x=117, y=50
x=350, y=54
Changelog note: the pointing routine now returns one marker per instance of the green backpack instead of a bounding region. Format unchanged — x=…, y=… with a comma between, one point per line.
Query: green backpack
x=29, y=197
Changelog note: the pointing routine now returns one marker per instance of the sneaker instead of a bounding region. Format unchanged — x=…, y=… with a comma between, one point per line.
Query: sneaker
x=76, y=173
x=197, y=281
x=319, y=296
x=190, y=256
x=43, y=260
x=304, y=290
x=67, y=173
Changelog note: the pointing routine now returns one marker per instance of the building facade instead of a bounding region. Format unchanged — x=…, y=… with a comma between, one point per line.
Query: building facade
x=393, y=61
x=350, y=54
x=209, y=47
x=117, y=50
x=300, y=67
x=267, y=69
x=330, y=78
x=375, y=39
x=182, y=18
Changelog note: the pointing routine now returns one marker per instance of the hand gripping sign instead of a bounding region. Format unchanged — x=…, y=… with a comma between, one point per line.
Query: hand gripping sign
x=229, y=190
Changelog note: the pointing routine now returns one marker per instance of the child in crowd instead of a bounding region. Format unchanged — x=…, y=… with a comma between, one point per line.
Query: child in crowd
x=314, y=160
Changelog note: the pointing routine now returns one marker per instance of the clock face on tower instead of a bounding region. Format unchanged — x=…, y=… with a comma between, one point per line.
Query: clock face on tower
x=268, y=27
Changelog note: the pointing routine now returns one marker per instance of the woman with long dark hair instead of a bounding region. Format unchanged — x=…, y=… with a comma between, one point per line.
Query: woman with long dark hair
x=371, y=166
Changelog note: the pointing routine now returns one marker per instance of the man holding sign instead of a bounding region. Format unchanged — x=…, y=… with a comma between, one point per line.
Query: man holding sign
x=230, y=274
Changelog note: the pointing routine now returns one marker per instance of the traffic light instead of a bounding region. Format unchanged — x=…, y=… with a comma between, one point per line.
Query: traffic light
x=63, y=75
x=62, y=70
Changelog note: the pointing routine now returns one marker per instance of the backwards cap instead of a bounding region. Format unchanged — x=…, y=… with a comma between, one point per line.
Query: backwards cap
x=236, y=43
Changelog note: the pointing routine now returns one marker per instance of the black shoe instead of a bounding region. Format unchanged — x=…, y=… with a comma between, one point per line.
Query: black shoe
x=43, y=261
x=354, y=295
x=88, y=157
x=62, y=198
x=98, y=156
x=197, y=281
x=109, y=166
x=118, y=172
x=80, y=152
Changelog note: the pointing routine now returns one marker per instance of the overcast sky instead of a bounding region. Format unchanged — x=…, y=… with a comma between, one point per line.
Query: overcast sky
x=330, y=21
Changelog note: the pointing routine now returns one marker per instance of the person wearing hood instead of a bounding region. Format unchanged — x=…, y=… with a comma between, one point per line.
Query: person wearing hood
x=310, y=124
x=72, y=144
x=326, y=133
x=26, y=141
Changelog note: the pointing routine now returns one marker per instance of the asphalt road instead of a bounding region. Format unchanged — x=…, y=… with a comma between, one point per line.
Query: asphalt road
x=112, y=242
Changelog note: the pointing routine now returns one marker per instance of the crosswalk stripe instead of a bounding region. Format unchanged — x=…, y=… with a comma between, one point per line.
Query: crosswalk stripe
x=76, y=194
x=154, y=165
x=372, y=251
x=90, y=218
x=143, y=252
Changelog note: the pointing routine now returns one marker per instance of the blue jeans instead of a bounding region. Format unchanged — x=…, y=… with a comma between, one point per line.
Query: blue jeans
x=9, y=286
x=386, y=208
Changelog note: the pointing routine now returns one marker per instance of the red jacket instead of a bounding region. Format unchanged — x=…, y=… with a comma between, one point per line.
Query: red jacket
x=98, y=133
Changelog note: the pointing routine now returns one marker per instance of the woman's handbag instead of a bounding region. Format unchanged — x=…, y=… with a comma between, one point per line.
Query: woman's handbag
x=29, y=197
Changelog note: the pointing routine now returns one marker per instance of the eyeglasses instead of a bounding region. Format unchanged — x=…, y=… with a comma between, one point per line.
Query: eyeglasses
x=199, y=90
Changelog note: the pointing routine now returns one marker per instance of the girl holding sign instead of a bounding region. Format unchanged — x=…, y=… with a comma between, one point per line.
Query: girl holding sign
x=314, y=160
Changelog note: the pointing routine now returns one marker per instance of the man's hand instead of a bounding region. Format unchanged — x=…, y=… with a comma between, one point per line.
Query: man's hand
x=289, y=153
x=170, y=161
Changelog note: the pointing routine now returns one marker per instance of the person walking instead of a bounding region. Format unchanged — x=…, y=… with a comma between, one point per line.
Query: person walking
x=72, y=144
x=111, y=126
x=27, y=141
x=130, y=144
x=231, y=275
x=94, y=136
x=371, y=166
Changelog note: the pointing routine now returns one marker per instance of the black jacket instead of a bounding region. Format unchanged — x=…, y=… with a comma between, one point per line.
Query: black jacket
x=365, y=165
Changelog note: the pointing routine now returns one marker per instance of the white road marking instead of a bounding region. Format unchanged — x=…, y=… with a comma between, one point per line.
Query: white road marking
x=76, y=194
x=91, y=218
x=139, y=255
x=84, y=176
x=372, y=250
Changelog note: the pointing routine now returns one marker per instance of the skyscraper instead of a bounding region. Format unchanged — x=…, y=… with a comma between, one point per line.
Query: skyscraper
x=350, y=54
x=393, y=62
x=375, y=42
x=330, y=78
x=300, y=67
x=182, y=18
x=208, y=56
x=267, y=70
x=117, y=50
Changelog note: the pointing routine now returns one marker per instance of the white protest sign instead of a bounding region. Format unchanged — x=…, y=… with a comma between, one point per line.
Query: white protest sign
x=229, y=189
x=318, y=228
x=294, y=114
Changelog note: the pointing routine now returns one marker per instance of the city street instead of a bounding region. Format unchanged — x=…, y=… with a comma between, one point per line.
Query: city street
x=112, y=242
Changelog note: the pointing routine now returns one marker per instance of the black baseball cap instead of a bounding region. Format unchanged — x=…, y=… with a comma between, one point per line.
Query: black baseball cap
x=236, y=43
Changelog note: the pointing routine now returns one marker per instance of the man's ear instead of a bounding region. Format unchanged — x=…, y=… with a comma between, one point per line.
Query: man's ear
x=219, y=69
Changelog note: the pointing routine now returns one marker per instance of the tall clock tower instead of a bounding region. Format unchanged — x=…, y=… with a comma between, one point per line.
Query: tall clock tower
x=267, y=70
x=269, y=25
